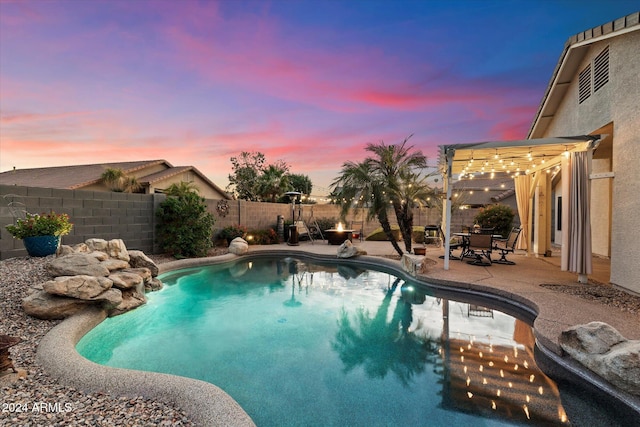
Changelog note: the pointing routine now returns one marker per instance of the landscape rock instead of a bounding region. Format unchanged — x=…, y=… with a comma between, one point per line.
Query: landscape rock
x=43, y=305
x=125, y=280
x=143, y=272
x=139, y=259
x=131, y=298
x=349, y=250
x=238, y=246
x=113, y=264
x=154, y=284
x=603, y=350
x=81, y=286
x=94, y=272
x=76, y=264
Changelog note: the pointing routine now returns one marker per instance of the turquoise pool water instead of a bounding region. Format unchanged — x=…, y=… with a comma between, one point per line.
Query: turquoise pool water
x=300, y=343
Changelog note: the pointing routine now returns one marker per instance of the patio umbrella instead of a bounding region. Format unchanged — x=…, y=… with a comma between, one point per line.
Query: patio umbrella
x=576, y=248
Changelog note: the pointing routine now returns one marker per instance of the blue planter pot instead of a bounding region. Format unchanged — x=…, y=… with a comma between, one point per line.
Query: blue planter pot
x=41, y=245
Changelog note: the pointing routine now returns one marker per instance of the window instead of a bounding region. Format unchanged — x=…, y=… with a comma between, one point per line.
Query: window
x=590, y=82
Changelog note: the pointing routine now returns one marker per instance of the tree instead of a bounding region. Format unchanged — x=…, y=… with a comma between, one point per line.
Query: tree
x=246, y=169
x=357, y=181
x=185, y=227
x=273, y=182
x=117, y=180
x=301, y=183
x=394, y=177
x=182, y=188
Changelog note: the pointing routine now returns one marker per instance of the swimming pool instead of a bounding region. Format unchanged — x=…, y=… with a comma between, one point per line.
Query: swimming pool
x=307, y=343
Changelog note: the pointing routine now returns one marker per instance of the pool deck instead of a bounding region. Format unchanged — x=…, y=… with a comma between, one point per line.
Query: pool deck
x=208, y=405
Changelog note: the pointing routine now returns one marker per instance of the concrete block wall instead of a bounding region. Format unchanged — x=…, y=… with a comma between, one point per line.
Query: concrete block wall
x=94, y=214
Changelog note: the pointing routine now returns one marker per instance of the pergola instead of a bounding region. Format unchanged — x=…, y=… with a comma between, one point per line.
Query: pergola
x=531, y=162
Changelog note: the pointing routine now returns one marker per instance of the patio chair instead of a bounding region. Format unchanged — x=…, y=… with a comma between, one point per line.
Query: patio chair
x=453, y=244
x=506, y=246
x=479, y=247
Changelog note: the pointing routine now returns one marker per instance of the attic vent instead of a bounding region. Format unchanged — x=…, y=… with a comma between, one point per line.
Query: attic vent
x=601, y=69
x=584, y=84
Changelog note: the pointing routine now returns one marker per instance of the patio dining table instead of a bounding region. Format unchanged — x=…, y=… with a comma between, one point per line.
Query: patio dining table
x=468, y=253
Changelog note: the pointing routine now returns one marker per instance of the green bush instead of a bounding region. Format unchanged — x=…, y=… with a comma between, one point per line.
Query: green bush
x=498, y=217
x=268, y=236
x=185, y=228
x=231, y=232
x=378, y=235
x=418, y=233
x=326, y=223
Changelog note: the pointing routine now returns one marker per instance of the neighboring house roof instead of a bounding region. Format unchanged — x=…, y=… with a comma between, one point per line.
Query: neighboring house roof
x=79, y=176
x=574, y=52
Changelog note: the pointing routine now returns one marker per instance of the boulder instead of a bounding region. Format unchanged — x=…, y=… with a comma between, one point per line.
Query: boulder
x=125, y=280
x=113, y=264
x=76, y=264
x=82, y=287
x=154, y=284
x=96, y=245
x=238, y=246
x=603, y=350
x=143, y=272
x=349, y=250
x=64, y=250
x=117, y=249
x=43, y=305
x=131, y=298
x=100, y=256
x=111, y=297
x=139, y=259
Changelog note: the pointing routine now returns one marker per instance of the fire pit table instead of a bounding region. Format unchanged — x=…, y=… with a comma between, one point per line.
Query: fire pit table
x=337, y=237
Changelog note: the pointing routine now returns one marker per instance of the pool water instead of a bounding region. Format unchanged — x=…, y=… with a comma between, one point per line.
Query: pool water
x=299, y=343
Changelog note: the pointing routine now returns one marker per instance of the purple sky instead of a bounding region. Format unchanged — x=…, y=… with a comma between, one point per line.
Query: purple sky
x=307, y=82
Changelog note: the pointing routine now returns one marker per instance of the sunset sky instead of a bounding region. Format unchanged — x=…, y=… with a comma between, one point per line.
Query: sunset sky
x=307, y=82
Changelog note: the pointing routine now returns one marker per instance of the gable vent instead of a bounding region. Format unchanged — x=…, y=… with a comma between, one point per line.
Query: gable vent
x=584, y=84
x=601, y=69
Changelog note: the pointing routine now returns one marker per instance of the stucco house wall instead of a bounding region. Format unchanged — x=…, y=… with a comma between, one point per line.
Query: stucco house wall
x=613, y=109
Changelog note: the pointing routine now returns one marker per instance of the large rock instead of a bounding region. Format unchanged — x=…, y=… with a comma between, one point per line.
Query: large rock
x=125, y=280
x=115, y=248
x=238, y=246
x=602, y=349
x=81, y=286
x=143, y=272
x=43, y=305
x=349, y=250
x=131, y=298
x=154, y=284
x=76, y=264
x=138, y=259
x=114, y=264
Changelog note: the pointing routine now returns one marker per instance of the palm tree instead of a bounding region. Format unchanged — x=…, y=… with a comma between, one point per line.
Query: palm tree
x=117, y=180
x=181, y=188
x=401, y=171
x=273, y=182
x=358, y=181
x=394, y=176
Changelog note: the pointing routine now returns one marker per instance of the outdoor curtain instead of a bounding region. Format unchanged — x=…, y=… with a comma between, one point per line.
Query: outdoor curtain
x=576, y=256
x=523, y=184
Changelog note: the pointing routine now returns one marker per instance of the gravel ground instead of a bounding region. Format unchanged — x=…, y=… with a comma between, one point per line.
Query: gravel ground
x=66, y=406
x=39, y=400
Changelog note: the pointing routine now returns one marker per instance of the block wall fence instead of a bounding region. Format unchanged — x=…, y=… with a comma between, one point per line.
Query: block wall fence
x=131, y=217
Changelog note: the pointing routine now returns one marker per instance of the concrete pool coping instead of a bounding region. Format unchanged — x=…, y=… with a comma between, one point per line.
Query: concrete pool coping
x=206, y=404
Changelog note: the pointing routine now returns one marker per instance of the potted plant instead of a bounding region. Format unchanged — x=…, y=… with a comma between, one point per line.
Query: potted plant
x=41, y=233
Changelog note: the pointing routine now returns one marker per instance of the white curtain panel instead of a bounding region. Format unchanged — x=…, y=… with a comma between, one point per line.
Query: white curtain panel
x=523, y=186
x=578, y=251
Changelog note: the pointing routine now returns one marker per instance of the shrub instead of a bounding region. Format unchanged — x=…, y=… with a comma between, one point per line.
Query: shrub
x=45, y=224
x=498, y=217
x=185, y=228
x=378, y=235
x=267, y=236
x=326, y=223
x=231, y=232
